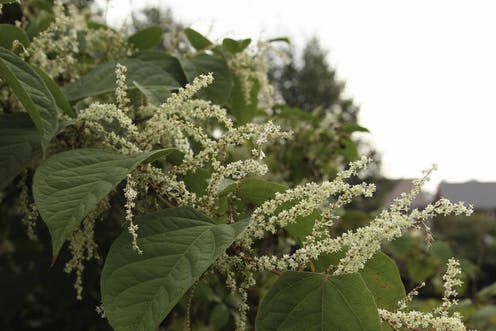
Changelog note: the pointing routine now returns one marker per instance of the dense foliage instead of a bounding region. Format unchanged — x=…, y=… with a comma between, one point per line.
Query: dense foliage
x=155, y=174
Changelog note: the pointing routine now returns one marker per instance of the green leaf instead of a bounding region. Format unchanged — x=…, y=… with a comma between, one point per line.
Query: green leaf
x=58, y=95
x=254, y=191
x=39, y=23
x=7, y=1
x=487, y=292
x=313, y=301
x=219, y=317
x=9, y=33
x=20, y=143
x=68, y=185
x=155, y=94
x=298, y=114
x=166, y=62
x=220, y=90
x=303, y=226
x=32, y=92
x=383, y=279
x=102, y=78
x=197, y=182
x=197, y=40
x=147, y=38
x=380, y=273
x=242, y=108
x=235, y=46
x=179, y=245
x=93, y=25
x=324, y=261
x=421, y=267
x=352, y=127
x=349, y=150
x=442, y=250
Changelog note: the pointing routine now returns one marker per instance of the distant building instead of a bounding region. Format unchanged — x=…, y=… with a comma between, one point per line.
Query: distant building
x=404, y=186
x=482, y=195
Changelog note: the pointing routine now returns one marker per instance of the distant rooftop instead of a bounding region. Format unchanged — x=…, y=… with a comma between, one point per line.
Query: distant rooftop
x=482, y=195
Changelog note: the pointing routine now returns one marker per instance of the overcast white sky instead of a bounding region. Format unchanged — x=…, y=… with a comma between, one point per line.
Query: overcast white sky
x=424, y=72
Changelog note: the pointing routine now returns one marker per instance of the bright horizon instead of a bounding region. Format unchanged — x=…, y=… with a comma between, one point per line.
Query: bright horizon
x=422, y=72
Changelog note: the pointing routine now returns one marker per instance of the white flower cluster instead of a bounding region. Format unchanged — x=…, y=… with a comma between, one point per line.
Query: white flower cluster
x=307, y=198
x=180, y=122
x=415, y=320
x=120, y=91
x=83, y=247
x=439, y=319
x=130, y=194
x=56, y=49
x=451, y=281
x=61, y=38
x=251, y=69
x=403, y=304
x=359, y=245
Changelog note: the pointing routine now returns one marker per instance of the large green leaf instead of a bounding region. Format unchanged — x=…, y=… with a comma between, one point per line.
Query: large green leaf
x=20, y=143
x=9, y=33
x=102, y=78
x=138, y=291
x=383, y=279
x=314, y=301
x=197, y=40
x=220, y=91
x=58, y=95
x=147, y=38
x=68, y=185
x=166, y=62
x=32, y=92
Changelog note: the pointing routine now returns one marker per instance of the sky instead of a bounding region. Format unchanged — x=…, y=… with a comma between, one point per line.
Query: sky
x=423, y=72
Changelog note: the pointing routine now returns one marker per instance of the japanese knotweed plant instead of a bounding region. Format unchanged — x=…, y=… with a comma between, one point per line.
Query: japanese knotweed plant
x=178, y=142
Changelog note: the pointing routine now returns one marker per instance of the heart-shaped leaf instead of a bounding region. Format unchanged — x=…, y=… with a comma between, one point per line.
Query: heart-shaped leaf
x=138, y=291
x=315, y=301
